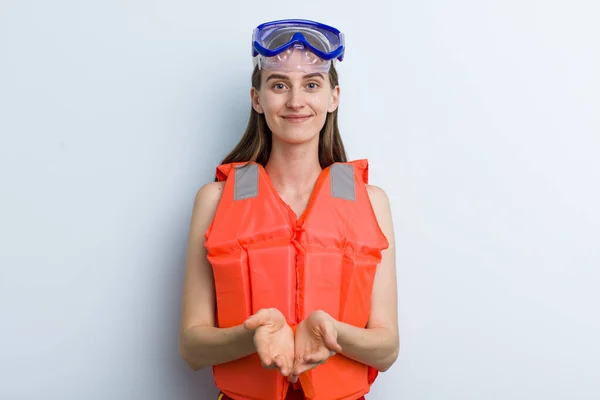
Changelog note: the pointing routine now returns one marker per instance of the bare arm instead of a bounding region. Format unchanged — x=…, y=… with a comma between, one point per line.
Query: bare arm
x=200, y=342
x=377, y=345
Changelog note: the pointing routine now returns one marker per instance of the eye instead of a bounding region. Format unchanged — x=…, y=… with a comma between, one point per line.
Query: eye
x=279, y=86
x=312, y=85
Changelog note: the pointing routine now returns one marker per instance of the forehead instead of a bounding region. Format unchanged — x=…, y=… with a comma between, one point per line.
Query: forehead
x=293, y=76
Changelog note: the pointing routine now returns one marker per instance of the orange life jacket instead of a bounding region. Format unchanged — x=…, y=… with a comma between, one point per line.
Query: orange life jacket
x=264, y=256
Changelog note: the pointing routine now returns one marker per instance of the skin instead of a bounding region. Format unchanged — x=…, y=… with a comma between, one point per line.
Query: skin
x=295, y=105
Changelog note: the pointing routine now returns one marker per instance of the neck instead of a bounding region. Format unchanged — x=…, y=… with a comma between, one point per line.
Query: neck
x=294, y=169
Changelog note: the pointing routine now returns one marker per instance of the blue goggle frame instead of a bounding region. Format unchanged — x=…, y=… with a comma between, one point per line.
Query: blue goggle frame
x=298, y=37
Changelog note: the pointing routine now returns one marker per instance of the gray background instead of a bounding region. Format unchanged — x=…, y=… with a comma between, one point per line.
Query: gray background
x=481, y=121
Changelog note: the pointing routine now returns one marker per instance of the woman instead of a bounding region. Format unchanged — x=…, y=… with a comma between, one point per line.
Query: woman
x=290, y=284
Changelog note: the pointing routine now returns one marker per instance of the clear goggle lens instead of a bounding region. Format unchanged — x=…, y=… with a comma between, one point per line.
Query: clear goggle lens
x=295, y=58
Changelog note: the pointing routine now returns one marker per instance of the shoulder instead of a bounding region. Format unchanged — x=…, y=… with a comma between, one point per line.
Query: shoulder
x=378, y=197
x=381, y=207
x=207, y=199
x=210, y=192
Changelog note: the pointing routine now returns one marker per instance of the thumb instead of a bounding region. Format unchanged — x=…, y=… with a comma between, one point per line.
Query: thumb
x=330, y=339
x=255, y=321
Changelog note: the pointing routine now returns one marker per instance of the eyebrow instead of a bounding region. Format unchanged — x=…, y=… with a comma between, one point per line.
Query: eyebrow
x=307, y=76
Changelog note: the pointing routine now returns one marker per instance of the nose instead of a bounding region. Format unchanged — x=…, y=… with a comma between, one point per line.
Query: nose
x=295, y=100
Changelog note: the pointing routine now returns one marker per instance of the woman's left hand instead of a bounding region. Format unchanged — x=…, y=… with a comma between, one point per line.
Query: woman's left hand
x=315, y=342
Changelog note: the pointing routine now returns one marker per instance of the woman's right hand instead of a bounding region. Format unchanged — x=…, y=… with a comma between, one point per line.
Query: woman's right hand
x=273, y=339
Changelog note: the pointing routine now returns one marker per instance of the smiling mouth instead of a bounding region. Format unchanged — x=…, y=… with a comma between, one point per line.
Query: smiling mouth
x=296, y=119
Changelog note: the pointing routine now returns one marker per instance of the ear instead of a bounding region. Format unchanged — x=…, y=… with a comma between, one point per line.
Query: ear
x=334, y=100
x=256, y=101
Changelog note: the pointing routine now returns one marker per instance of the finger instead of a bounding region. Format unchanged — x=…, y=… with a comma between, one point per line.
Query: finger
x=313, y=359
x=252, y=323
x=265, y=356
x=317, y=357
x=289, y=363
x=302, y=368
x=330, y=340
x=333, y=345
x=298, y=362
x=278, y=361
x=282, y=365
x=255, y=321
x=300, y=365
x=266, y=362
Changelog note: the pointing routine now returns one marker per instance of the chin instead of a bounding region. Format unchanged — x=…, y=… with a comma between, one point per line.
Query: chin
x=291, y=137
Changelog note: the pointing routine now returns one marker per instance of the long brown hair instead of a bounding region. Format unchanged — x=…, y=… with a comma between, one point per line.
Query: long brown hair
x=255, y=144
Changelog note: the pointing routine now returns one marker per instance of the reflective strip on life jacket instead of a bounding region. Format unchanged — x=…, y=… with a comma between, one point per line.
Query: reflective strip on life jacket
x=246, y=182
x=342, y=182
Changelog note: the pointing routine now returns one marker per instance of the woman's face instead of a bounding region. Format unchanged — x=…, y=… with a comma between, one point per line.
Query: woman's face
x=295, y=104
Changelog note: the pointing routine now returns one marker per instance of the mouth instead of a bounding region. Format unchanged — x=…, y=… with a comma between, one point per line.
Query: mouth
x=296, y=119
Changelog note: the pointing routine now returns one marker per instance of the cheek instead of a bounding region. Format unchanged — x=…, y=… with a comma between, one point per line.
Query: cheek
x=271, y=105
x=271, y=109
x=322, y=104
